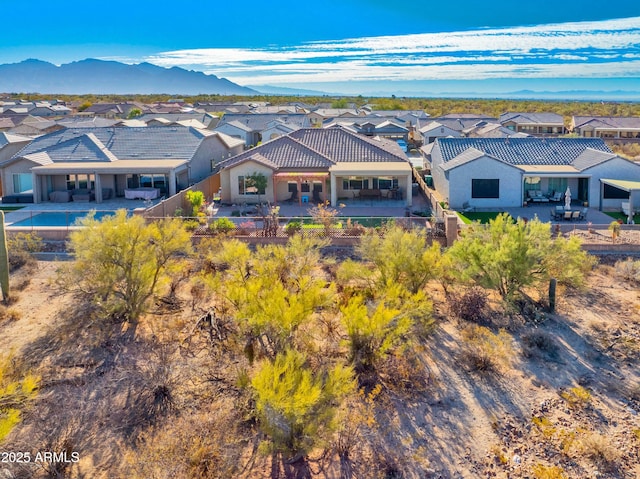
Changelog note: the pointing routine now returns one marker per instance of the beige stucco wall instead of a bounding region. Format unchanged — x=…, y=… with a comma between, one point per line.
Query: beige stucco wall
x=229, y=183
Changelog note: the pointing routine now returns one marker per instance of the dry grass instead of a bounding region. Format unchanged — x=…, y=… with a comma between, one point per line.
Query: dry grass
x=485, y=351
x=598, y=449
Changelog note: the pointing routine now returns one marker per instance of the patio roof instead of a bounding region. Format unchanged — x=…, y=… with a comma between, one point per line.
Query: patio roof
x=371, y=168
x=116, y=167
x=548, y=169
x=625, y=185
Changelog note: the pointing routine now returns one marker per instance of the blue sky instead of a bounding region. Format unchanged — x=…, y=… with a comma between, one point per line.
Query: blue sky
x=347, y=46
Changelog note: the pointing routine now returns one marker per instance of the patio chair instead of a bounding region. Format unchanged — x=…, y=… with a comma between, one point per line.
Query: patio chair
x=316, y=196
x=567, y=215
x=555, y=214
x=575, y=215
x=583, y=213
x=556, y=197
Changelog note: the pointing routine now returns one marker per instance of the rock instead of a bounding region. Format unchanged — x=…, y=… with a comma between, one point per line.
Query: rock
x=632, y=411
x=516, y=459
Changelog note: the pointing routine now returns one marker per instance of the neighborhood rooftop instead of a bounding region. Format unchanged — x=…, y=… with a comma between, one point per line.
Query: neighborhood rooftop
x=523, y=151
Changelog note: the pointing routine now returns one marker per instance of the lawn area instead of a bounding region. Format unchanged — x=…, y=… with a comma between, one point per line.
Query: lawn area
x=482, y=216
x=619, y=215
x=10, y=208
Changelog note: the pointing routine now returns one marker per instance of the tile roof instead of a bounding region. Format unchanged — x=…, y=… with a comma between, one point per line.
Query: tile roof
x=282, y=152
x=589, y=158
x=260, y=121
x=7, y=138
x=523, y=151
x=623, y=122
x=123, y=142
x=343, y=146
x=317, y=148
x=532, y=118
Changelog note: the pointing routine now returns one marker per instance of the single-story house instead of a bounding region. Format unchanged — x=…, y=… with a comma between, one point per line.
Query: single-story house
x=105, y=162
x=250, y=126
x=606, y=126
x=500, y=173
x=536, y=124
x=318, y=164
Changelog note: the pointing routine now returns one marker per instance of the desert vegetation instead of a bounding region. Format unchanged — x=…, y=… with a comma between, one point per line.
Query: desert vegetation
x=168, y=356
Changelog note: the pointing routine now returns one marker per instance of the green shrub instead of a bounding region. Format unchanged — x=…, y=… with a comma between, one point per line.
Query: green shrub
x=293, y=227
x=222, y=225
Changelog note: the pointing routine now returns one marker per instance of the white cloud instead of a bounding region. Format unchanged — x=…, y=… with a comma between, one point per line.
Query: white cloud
x=557, y=50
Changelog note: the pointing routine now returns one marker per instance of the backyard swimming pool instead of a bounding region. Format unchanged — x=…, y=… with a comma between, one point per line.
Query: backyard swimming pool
x=58, y=218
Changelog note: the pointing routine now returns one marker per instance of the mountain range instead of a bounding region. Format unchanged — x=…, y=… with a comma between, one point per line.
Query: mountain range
x=92, y=76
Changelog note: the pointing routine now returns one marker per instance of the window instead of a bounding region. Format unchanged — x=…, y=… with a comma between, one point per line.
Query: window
x=485, y=188
x=611, y=192
x=22, y=182
x=385, y=183
x=355, y=183
x=84, y=182
x=247, y=187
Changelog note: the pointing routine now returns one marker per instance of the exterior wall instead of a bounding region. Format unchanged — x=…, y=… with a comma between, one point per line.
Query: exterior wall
x=21, y=166
x=616, y=168
x=229, y=183
x=210, y=151
x=441, y=131
x=510, y=192
x=234, y=132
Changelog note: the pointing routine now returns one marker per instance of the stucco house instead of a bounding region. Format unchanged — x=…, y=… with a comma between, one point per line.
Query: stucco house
x=250, y=126
x=499, y=173
x=107, y=162
x=536, y=124
x=311, y=163
x=606, y=126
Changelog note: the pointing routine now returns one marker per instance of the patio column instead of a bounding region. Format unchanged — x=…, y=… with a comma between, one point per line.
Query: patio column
x=275, y=189
x=334, y=190
x=35, y=187
x=409, y=200
x=172, y=182
x=98, y=187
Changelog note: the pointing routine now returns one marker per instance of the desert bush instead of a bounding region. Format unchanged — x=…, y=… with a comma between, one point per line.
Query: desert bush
x=540, y=471
x=485, y=351
x=293, y=227
x=577, y=397
x=21, y=247
x=9, y=314
x=198, y=446
x=17, y=389
x=537, y=341
x=598, y=449
x=470, y=306
x=222, y=225
x=628, y=269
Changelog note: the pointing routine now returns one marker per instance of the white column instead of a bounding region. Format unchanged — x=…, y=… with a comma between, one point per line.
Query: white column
x=172, y=182
x=409, y=200
x=36, y=187
x=334, y=190
x=98, y=187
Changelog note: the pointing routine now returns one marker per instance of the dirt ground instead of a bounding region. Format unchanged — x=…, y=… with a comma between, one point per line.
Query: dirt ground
x=462, y=424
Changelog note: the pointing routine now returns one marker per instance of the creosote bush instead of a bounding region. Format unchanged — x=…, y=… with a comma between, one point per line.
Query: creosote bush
x=485, y=351
x=470, y=306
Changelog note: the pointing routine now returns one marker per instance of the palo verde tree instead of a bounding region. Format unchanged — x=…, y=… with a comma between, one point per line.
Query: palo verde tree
x=272, y=292
x=296, y=406
x=121, y=262
x=509, y=256
x=401, y=257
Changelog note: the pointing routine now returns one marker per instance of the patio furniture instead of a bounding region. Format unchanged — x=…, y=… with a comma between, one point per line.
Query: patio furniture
x=294, y=196
x=537, y=197
x=60, y=196
x=370, y=193
x=555, y=214
x=144, y=193
x=583, y=213
x=316, y=196
x=567, y=215
x=556, y=197
x=575, y=215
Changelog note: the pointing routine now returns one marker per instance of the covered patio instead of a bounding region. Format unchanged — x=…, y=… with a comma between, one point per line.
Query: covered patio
x=625, y=194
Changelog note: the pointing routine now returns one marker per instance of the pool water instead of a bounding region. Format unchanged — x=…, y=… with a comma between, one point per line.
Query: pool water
x=62, y=218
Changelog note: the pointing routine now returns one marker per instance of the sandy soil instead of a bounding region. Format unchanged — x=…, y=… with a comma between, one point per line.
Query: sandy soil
x=464, y=424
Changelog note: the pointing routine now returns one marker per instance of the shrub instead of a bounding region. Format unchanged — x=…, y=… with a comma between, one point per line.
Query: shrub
x=470, y=306
x=222, y=226
x=598, y=448
x=538, y=341
x=628, y=269
x=541, y=471
x=293, y=227
x=577, y=397
x=484, y=350
x=21, y=247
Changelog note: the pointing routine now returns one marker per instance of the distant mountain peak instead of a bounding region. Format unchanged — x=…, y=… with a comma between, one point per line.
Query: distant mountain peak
x=94, y=76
